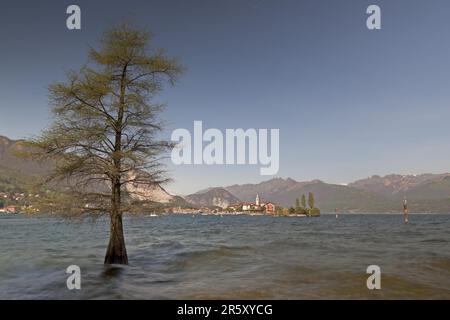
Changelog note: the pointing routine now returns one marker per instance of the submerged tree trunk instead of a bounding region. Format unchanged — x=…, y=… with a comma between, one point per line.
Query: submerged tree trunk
x=116, y=252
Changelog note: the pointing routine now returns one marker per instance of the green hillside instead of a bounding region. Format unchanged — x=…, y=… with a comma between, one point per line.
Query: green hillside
x=14, y=181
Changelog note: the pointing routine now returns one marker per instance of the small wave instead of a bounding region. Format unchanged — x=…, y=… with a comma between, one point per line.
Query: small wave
x=234, y=294
x=218, y=252
x=434, y=241
x=222, y=257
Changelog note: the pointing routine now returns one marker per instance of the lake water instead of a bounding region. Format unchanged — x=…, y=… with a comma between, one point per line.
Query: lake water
x=229, y=257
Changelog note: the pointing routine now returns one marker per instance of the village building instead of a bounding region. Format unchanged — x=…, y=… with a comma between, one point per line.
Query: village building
x=257, y=206
x=8, y=209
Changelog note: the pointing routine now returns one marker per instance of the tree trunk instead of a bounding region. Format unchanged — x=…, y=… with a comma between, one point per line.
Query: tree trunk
x=116, y=252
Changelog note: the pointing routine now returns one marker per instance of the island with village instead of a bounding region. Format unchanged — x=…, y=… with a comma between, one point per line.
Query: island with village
x=259, y=207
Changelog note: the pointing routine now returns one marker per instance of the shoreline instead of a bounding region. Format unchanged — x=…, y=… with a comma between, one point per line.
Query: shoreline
x=158, y=215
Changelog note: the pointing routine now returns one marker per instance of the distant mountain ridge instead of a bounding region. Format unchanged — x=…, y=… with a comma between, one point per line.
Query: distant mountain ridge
x=328, y=196
x=212, y=197
x=425, y=193
x=9, y=159
x=394, y=184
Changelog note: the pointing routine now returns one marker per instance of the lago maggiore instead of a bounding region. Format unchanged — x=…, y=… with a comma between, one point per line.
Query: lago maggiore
x=229, y=257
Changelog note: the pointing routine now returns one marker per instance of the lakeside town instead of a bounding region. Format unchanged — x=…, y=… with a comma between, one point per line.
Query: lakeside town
x=17, y=202
x=21, y=202
x=253, y=208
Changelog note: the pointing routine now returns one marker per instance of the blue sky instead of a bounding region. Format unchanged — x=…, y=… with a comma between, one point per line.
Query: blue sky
x=349, y=102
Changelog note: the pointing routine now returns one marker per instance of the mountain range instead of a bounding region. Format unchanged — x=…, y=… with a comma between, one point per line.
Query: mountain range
x=216, y=197
x=425, y=192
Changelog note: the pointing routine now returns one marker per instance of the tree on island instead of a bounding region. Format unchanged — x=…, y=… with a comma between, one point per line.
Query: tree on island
x=313, y=211
x=105, y=130
x=303, y=201
x=300, y=207
x=311, y=200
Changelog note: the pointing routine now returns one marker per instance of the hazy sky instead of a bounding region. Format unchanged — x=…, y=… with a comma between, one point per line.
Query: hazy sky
x=349, y=102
